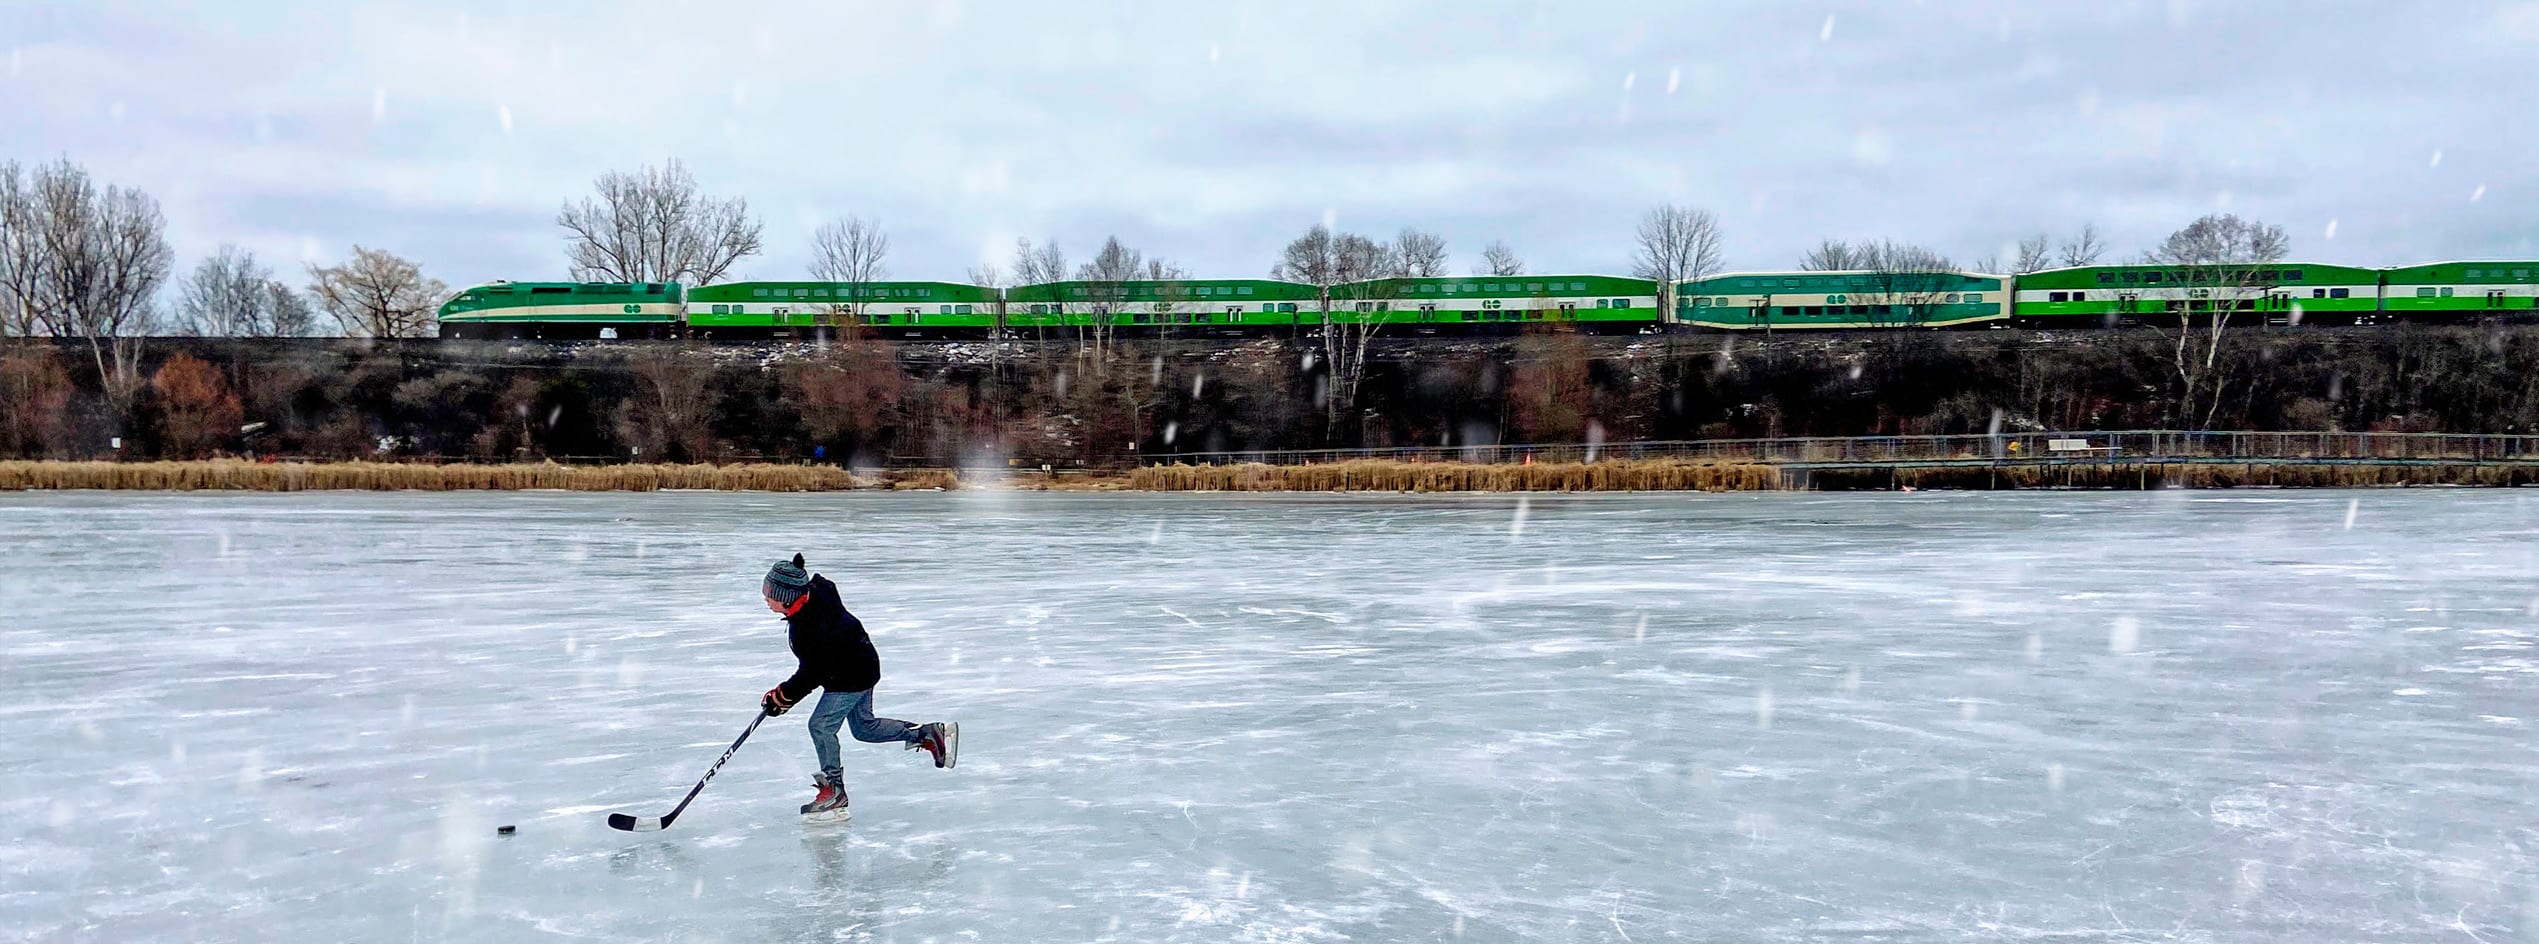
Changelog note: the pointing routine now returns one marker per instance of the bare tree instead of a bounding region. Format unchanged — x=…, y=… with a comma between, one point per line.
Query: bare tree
x=287, y=312
x=1108, y=273
x=99, y=258
x=2220, y=265
x=230, y=294
x=850, y=250
x=1676, y=244
x=377, y=294
x=653, y=226
x=1905, y=282
x=2083, y=248
x=2033, y=256
x=1351, y=277
x=1423, y=254
x=21, y=254
x=1041, y=265
x=1834, y=255
x=1498, y=259
x=986, y=275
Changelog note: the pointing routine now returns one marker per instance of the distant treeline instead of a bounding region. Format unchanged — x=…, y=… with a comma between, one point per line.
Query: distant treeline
x=872, y=403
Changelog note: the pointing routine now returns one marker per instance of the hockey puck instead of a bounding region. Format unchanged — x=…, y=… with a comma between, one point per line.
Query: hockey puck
x=505, y=830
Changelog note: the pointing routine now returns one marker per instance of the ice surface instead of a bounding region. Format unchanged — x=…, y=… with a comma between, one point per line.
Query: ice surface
x=1926, y=717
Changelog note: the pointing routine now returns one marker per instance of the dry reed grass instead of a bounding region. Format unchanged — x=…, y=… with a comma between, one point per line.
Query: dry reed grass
x=238, y=475
x=1390, y=476
x=2151, y=475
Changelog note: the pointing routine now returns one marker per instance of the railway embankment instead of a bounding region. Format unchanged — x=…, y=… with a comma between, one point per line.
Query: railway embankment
x=1071, y=403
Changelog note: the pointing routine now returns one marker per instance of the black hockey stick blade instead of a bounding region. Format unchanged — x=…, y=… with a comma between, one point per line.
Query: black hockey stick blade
x=627, y=823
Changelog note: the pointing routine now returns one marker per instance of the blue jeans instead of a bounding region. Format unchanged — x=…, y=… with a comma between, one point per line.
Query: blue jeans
x=855, y=711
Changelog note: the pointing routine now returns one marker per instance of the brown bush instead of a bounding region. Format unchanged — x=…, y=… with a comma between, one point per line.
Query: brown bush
x=35, y=394
x=197, y=412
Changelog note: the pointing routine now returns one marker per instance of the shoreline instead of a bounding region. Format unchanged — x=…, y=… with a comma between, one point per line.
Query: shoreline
x=1652, y=475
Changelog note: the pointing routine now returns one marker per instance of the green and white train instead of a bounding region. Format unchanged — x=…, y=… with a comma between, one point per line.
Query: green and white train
x=2086, y=296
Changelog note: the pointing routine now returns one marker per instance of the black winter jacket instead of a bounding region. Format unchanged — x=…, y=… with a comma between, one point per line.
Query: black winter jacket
x=830, y=643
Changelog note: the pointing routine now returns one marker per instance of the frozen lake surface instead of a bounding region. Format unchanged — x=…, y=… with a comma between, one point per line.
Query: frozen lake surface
x=2218, y=716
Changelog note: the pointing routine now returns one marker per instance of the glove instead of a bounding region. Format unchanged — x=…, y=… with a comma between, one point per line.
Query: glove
x=774, y=702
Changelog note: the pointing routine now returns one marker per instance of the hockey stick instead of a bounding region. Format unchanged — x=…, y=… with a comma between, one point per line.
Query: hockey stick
x=648, y=824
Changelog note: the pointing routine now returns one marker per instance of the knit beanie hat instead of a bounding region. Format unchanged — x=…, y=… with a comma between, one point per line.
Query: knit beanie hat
x=787, y=581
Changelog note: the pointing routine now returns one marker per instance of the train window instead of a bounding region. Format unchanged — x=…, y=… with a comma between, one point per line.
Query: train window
x=2521, y=273
x=2476, y=273
x=1603, y=302
x=960, y=309
x=652, y=288
x=925, y=293
x=943, y=309
x=2426, y=292
x=2057, y=296
x=1622, y=303
x=551, y=290
x=1243, y=290
x=2318, y=293
x=1467, y=286
x=2339, y=293
x=802, y=293
x=2106, y=278
x=1951, y=299
x=2132, y=277
x=721, y=310
x=2267, y=274
x=1286, y=306
x=1489, y=286
x=2293, y=274
x=2446, y=291
x=1789, y=283
x=1533, y=286
x=1701, y=303
x=2151, y=278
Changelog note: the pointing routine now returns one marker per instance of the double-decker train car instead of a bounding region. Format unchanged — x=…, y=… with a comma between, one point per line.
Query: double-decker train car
x=735, y=310
x=1185, y=306
x=2284, y=293
x=2455, y=291
x=1748, y=301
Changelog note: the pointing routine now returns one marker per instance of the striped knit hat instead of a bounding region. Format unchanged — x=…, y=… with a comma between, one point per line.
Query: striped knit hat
x=787, y=581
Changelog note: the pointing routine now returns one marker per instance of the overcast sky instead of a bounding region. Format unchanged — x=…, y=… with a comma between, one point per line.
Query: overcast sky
x=1209, y=132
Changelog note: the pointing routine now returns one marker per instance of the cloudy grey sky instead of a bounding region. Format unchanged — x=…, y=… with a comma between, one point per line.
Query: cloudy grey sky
x=2375, y=132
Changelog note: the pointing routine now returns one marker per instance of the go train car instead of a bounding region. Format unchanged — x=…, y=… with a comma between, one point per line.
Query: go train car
x=565, y=311
x=2457, y=291
x=1856, y=299
x=2119, y=295
x=1502, y=304
x=1199, y=306
x=796, y=309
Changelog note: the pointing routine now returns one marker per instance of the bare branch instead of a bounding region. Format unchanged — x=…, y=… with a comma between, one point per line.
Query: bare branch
x=652, y=226
x=378, y=294
x=2083, y=248
x=2033, y=256
x=1422, y=254
x=1498, y=259
x=1676, y=244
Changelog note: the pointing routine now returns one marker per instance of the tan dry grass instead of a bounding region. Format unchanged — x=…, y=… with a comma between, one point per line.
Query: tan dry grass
x=239, y=475
x=1390, y=476
x=2185, y=475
